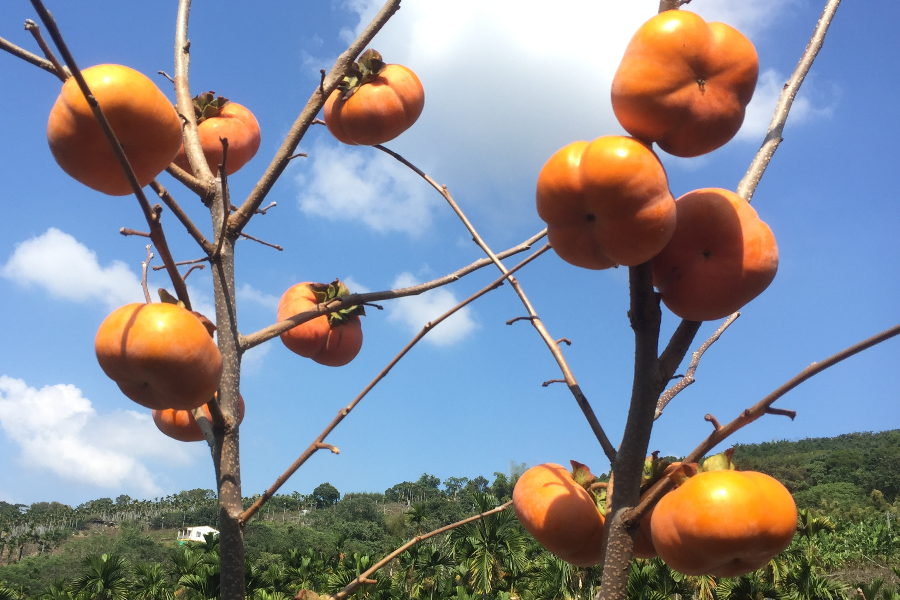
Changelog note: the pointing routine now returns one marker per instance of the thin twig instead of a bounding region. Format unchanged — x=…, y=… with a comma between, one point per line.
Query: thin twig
x=126, y=232
x=773, y=138
x=273, y=331
x=565, y=341
x=314, y=446
x=239, y=219
x=292, y=157
x=144, y=266
x=167, y=76
x=189, y=181
x=27, y=56
x=182, y=216
x=185, y=104
x=259, y=241
x=185, y=262
x=549, y=381
x=711, y=419
x=151, y=214
x=784, y=412
x=189, y=271
x=262, y=211
x=511, y=321
x=536, y=322
x=318, y=122
x=688, y=378
x=753, y=413
x=364, y=576
x=35, y=31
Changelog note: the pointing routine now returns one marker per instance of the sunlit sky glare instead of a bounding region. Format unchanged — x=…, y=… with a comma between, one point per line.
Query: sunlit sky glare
x=507, y=84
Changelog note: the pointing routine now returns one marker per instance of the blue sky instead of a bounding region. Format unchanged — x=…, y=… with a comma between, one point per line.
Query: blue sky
x=507, y=84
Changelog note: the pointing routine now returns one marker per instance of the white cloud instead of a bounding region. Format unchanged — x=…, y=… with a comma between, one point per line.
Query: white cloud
x=254, y=359
x=60, y=432
x=67, y=269
x=415, y=311
x=508, y=83
x=345, y=184
x=247, y=293
x=760, y=109
x=355, y=287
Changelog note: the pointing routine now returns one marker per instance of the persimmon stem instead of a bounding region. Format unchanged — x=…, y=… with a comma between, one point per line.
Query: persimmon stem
x=151, y=214
x=536, y=322
x=315, y=445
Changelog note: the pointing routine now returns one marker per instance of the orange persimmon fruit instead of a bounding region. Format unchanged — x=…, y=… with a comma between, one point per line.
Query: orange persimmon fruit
x=140, y=115
x=723, y=523
x=181, y=424
x=332, y=340
x=160, y=355
x=606, y=202
x=685, y=83
x=721, y=256
x=375, y=103
x=218, y=118
x=560, y=514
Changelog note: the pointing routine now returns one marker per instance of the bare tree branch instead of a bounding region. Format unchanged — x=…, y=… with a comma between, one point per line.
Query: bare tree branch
x=753, y=413
x=190, y=182
x=144, y=266
x=364, y=577
x=259, y=241
x=536, y=322
x=60, y=71
x=280, y=162
x=182, y=216
x=272, y=331
x=28, y=57
x=773, y=138
x=316, y=444
x=151, y=214
x=185, y=105
x=688, y=378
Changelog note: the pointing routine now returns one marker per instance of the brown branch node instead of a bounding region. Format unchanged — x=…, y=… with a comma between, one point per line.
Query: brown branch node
x=166, y=75
x=324, y=446
x=565, y=341
x=715, y=422
x=126, y=232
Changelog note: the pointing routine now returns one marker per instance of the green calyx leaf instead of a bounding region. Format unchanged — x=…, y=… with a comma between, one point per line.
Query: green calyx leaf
x=719, y=462
x=365, y=70
x=208, y=105
x=582, y=474
x=654, y=470
x=165, y=296
x=330, y=291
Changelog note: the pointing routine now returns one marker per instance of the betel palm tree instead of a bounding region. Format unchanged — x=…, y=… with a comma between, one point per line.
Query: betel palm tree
x=492, y=548
x=103, y=578
x=653, y=580
x=58, y=590
x=757, y=585
x=150, y=583
x=8, y=594
x=806, y=581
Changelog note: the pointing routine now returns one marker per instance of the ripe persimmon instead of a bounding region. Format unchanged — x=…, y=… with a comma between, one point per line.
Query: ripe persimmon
x=334, y=339
x=723, y=523
x=140, y=115
x=685, y=83
x=721, y=256
x=375, y=103
x=218, y=117
x=160, y=355
x=181, y=424
x=606, y=202
x=560, y=514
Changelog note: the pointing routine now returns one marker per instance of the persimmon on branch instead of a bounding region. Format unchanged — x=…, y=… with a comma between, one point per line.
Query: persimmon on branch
x=317, y=443
x=533, y=317
x=151, y=214
x=363, y=577
x=276, y=329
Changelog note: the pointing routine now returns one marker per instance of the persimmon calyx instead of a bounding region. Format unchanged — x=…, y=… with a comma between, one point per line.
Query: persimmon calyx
x=719, y=462
x=207, y=105
x=167, y=298
x=583, y=477
x=654, y=470
x=680, y=472
x=365, y=70
x=325, y=292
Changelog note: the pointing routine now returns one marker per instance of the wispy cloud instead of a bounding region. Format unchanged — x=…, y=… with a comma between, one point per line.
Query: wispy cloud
x=59, y=432
x=414, y=312
x=60, y=264
x=247, y=293
x=768, y=90
x=345, y=184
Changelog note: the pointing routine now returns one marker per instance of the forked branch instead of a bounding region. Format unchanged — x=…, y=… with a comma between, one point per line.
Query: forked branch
x=276, y=329
x=151, y=214
x=317, y=443
x=533, y=317
x=364, y=577
x=753, y=413
x=282, y=158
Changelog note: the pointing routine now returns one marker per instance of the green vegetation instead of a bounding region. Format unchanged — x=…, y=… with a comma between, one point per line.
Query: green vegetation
x=847, y=488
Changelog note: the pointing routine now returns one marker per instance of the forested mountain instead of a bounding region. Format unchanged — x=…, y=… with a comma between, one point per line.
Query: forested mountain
x=321, y=540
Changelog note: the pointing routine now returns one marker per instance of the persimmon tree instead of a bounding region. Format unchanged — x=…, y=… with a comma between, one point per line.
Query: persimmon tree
x=218, y=420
